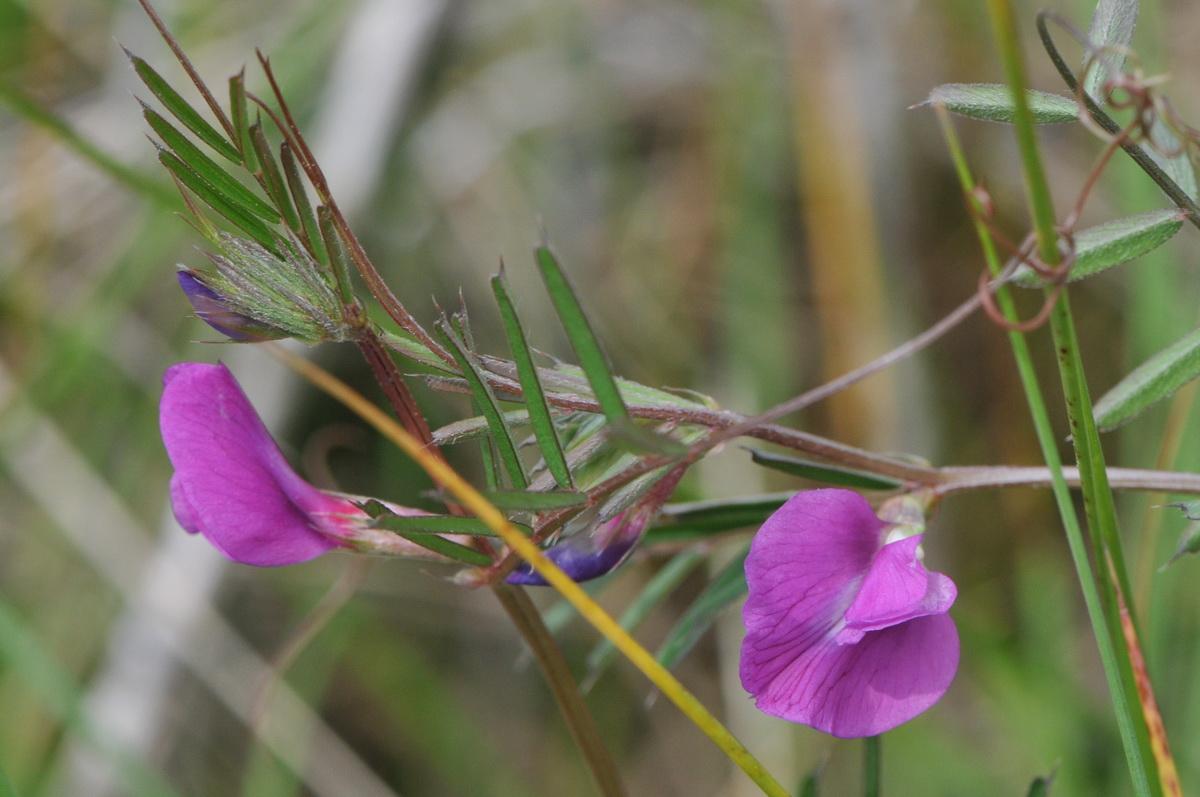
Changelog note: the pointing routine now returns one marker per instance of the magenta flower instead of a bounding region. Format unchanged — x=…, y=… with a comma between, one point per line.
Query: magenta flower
x=846, y=630
x=233, y=485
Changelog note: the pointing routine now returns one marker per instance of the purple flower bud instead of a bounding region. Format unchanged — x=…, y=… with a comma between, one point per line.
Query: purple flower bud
x=233, y=485
x=587, y=555
x=846, y=630
x=214, y=310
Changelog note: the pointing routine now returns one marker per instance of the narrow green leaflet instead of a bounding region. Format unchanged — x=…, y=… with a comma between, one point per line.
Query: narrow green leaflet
x=1189, y=540
x=822, y=473
x=447, y=548
x=992, y=102
x=1151, y=382
x=439, y=524
x=239, y=117
x=727, y=587
x=535, y=398
x=252, y=225
x=700, y=519
x=534, y=502
x=656, y=591
x=308, y=218
x=269, y=169
x=207, y=168
x=1112, y=26
x=488, y=405
x=579, y=332
x=182, y=111
x=1111, y=244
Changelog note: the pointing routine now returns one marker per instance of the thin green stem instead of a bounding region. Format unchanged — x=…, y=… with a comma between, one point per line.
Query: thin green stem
x=872, y=765
x=1038, y=412
x=549, y=656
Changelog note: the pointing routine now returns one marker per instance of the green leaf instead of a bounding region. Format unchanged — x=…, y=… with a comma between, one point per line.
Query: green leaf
x=6, y=787
x=728, y=586
x=219, y=201
x=447, y=548
x=580, y=334
x=656, y=591
x=207, y=168
x=296, y=184
x=534, y=502
x=700, y=519
x=527, y=375
x=488, y=405
x=182, y=111
x=1189, y=539
x=272, y=177
x=992, y=102
x=439, y=524
x=1151, y=382
x=822, y=473
x=239, y=117
x=1112, y=26
x=1111, y=244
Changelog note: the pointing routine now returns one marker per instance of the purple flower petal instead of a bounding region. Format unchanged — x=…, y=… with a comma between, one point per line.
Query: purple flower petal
x=843, y=633
x=231, y=483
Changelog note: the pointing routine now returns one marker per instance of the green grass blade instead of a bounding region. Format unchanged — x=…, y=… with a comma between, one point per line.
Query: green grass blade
x=33, y=112
x=527, y=374
x=580, y=334
x=183, y=111
x=724, y=589
x=488, y=405
x=992, y=102
x=207, y=168
x=22, y=652
x=822, y=473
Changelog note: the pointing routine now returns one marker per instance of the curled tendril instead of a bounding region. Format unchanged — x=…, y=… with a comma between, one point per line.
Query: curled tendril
x=1054, y=275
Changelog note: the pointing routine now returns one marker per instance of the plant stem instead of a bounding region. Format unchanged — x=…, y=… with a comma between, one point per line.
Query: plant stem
x=1105, y=594
x=549, y=656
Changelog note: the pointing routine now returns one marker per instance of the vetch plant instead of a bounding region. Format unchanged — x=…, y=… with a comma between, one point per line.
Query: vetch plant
x=846, y=629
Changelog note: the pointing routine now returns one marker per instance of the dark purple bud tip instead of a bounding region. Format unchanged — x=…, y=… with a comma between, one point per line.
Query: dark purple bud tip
x=212, y=308
x=575, y=561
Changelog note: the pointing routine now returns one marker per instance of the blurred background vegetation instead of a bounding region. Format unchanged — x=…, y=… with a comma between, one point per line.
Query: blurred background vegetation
x=748, y=206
